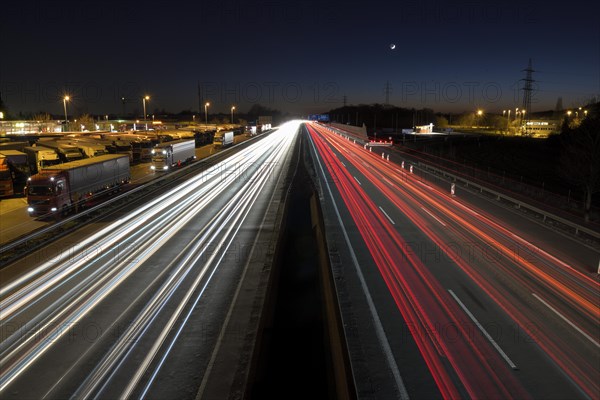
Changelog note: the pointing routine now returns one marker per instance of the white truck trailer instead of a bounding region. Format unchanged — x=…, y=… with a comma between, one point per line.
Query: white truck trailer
x=167, y=155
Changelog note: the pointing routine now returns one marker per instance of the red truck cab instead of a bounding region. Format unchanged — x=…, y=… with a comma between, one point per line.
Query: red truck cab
x=47, y=192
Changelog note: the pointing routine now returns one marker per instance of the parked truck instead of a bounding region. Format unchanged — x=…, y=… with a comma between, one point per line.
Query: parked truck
x=6, y=178
x=18, y=166
x=223, y=139
x=175, y=153
x=66, y=187
x=40, y=157
x=89, y=148
x=66, y=152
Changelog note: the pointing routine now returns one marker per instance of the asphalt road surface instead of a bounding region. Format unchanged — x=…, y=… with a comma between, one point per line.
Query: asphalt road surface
x=133, y=306
x=442, y=297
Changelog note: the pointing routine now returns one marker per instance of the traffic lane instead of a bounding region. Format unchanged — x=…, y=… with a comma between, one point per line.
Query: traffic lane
x=543, y=271
x=548, y=272
x=364, y=299
x=526, y=299
x=573, y=251
x=544, y=293
x=519, y=338
x=182, y=240
x=425, y=247
x=466, y=367
x=199, y=337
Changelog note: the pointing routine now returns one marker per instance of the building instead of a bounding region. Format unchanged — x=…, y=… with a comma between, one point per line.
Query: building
x=539, y=128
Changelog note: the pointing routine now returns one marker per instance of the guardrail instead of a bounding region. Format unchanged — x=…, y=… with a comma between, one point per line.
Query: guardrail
x=546, y=216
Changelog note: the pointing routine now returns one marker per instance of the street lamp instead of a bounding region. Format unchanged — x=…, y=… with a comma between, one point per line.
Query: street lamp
x=144, y=102
x=232, y=108
x=206, y=113
x=65, y=99
x=479, y=114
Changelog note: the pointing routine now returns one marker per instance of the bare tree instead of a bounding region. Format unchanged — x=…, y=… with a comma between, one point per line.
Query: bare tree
x=42, y=117
x=580, y=159
x=87, y=121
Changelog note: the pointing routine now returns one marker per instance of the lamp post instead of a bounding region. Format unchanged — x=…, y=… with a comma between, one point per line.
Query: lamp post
x=479, y=114
x=65, y=99
x=508, y=121
x=206, y=113
x=232, y=108
x=144, y=103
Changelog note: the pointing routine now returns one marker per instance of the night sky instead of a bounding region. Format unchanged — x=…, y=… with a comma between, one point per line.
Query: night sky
x=299, y=57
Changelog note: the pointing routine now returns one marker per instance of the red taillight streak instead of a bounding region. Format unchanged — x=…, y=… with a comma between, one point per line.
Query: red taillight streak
x=576, y=369
x=473, y=360
x=568, y=294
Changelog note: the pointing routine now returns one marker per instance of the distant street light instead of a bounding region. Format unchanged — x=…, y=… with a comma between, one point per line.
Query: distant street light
x=123, y=103
x=1, y=115
x=232, y=108
x=144, y=102
x=206, y=113
x=65, y=99
x=479, y=114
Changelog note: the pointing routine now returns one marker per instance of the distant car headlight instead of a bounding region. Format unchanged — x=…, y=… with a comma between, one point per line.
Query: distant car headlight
x=165, y=167
x=53, y=209
x=152, y=167
x=29, y=209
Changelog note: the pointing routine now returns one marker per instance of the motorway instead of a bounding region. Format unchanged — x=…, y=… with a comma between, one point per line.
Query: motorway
x=133, y=305
x=442, y=298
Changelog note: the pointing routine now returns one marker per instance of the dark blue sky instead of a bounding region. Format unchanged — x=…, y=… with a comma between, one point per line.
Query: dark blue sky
x=297, y=57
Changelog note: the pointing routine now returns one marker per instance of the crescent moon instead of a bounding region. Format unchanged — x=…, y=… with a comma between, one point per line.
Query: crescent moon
x=392, y=46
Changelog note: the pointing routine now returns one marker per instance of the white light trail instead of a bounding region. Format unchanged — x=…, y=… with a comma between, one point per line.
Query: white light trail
x=146, y=229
